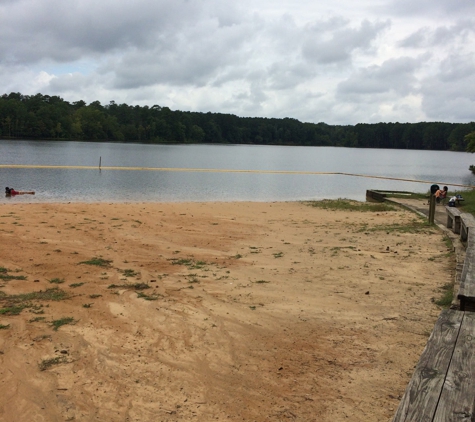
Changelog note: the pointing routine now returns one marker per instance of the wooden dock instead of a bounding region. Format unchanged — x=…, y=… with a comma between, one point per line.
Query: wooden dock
x=442, y=388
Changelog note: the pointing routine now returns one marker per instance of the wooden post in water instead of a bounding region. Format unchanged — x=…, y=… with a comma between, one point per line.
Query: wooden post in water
x=431, y=209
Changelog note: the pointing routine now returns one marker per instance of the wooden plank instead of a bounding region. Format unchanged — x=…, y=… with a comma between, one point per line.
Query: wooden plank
x=457, y=225
x=422, y=394
x=467, y=222
x=457, y=401
x=453, y=219
x=466, y=291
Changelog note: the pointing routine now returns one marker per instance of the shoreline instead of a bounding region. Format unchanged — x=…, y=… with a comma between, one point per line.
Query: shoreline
x=331, y=308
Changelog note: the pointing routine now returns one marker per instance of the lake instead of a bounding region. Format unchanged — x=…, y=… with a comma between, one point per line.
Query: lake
x=186, y=181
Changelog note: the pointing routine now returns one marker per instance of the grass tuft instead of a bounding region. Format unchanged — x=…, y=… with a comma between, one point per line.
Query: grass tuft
x=7, y=277
x=417, y=225
x=60, y=322
x=100, y=262
x=447, y=295
x=348, y=205
x=188, y=262
x=14, y=304
x=142, y=295
x=130, y=273
x=48, y=363
x=57, y=280
x=136, y=286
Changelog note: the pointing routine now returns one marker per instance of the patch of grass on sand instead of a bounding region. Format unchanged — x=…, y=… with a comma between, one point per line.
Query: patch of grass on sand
x=142, y=295
x=7, y=277
x=62, y=321
x=447, y=295
x=4, y=327
x=130, y=273
x=100, y=262
x=193, y=280
x=182, y=261
x=188, y=262
x=14, y=304
x=417, y=225
x=57, y=280
x=349, y=205
x=48, y=363
x=136, y=286
x=11, y=310
x=448, y=242
x=37, y=319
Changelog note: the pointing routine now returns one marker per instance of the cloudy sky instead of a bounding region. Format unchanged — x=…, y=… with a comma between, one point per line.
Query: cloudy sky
x=338, y=61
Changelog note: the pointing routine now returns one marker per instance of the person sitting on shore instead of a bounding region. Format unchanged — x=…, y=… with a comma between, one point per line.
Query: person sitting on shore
x=441, y=194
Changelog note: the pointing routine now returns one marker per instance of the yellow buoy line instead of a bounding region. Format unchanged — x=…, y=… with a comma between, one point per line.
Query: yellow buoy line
x=34, y=166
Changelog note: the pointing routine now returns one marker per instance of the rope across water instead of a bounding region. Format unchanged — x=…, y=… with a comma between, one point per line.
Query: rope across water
x=171, y=169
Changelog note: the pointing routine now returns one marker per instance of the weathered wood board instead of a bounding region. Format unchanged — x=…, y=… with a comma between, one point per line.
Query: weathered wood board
x=467, y=221
x=466, y=293
x=457, y=401
x=421, y=398
x=453, y=219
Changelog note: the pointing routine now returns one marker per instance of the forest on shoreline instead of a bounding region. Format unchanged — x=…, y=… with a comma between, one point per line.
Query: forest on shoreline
x=51, y=117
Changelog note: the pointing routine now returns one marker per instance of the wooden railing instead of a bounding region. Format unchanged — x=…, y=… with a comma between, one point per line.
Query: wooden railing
x=442, y=388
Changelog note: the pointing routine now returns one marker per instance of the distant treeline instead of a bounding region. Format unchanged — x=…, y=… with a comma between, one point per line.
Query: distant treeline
x=50, y=117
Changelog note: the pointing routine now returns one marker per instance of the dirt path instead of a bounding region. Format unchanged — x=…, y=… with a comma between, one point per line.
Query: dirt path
x=253, y=311
x=421, y=206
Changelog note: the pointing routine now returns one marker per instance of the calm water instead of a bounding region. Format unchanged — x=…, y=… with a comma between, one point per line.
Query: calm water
x=53, y=185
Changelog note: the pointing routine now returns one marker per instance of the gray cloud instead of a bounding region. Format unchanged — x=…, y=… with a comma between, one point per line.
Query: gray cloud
x=449, y=94
x=65, y=30
x=335, y=41
x=196, y=56
x=340, y=62
x=438, y=8
x=440, y=36
x=394, y=75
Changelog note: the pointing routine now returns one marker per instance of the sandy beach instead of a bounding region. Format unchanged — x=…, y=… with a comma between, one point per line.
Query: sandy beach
x=212, y=311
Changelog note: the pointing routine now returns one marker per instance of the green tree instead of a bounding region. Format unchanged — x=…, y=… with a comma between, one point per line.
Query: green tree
x=457, y=136
x=470, y=141
x=197, y=134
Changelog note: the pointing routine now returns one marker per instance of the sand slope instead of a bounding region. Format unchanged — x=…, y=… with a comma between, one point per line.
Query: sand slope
x=255, y=311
